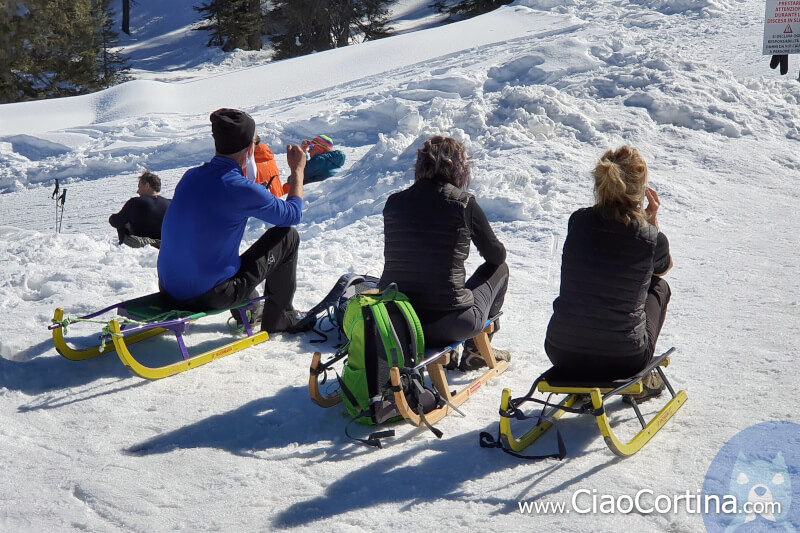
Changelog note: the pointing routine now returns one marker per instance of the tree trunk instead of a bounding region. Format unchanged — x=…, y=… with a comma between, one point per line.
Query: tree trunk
x=254, y=37
x=126, y=16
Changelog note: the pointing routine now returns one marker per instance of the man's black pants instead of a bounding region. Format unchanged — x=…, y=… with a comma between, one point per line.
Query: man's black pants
x=273, y=259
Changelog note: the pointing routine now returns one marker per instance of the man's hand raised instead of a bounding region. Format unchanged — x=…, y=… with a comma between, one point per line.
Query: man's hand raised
x=296, y=158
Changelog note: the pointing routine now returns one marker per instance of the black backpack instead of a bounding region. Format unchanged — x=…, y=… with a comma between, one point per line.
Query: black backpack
x=328, y=314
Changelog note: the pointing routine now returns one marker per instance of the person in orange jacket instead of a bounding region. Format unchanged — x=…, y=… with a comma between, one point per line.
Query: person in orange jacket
x=267, y=169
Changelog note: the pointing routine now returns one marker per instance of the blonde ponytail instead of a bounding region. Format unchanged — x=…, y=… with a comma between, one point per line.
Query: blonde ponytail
x=620, y=179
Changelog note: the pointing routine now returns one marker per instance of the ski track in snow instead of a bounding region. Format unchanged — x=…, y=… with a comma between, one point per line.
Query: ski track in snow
x=237, y=445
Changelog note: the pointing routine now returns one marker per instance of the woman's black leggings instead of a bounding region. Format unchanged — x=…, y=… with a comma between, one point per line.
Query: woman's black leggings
x=488, y=285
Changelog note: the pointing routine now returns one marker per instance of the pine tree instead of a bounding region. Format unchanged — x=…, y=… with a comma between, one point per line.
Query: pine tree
x=465, y=9
x=64, y=55
x=306, y=26
x=6, y=54
x=113, y=67
x=232, y=23
x=18, y=72
x=59, y=48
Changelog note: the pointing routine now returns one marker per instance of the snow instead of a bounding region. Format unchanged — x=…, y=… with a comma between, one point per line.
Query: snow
x=536, y=91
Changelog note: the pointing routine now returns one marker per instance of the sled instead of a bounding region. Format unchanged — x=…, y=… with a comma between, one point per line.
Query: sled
x=583, y=397
x=434, y=359
x=145, y=317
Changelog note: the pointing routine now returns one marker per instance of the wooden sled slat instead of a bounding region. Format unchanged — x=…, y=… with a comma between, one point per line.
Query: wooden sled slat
x=313, y=386
x=439, y=380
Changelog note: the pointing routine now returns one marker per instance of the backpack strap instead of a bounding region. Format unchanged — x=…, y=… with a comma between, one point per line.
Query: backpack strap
x=314, y=315
x=374, y=439
x=391, y=342
x=417, y=343
x=420, y=390
x=414, y=325
x=390, y=292
x=487, y=441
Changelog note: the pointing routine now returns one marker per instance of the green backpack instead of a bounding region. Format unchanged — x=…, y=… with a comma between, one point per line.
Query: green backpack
x=383, y=331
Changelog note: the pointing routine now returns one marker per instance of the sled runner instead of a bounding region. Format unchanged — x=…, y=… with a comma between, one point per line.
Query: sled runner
x=433, y=362
x=145, y=317
x=582, y=397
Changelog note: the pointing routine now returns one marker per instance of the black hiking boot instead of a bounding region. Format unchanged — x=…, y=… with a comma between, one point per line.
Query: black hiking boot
x=300, y=324
x=471, y=359
x=288, y=321
x=254, y=315
x=652, y=387
x=452, y=362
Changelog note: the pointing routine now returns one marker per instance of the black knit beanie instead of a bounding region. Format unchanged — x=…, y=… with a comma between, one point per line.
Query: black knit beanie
x=232, y=129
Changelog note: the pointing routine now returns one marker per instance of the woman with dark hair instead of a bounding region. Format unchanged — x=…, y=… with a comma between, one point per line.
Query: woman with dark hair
x=428, y=228
x=613, y=301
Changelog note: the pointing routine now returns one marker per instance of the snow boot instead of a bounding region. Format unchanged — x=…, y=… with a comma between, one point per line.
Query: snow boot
x=471, y=359
x=652, y=387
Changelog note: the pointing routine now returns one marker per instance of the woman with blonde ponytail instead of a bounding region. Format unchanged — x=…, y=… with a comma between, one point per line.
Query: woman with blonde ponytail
x=613, y=300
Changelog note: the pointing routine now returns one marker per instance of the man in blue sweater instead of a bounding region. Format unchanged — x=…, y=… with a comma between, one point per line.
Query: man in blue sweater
x=199, y=266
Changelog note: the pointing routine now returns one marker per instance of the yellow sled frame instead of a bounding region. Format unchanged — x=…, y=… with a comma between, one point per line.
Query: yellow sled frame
x=120, y=342
x=82, y=354
x=595, y=395
x=438, y=378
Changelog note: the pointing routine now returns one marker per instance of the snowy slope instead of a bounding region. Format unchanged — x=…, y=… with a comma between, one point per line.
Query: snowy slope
x=536, y=91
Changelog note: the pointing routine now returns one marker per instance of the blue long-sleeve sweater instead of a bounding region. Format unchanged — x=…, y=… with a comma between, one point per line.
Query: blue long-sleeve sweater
x=205, y=223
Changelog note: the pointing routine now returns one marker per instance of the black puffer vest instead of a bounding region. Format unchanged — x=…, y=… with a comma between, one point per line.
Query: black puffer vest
x=606, y=269
x=427, y=239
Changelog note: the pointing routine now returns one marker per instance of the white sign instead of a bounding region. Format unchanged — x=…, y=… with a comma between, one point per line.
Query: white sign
x=782, y=27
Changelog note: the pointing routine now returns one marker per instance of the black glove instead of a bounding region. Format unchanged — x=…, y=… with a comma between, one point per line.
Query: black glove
x=782, y=60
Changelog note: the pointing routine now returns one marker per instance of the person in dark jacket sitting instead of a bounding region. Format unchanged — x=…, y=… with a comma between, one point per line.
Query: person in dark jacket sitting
x=428, y=228
x=613, y=301
x=139, y=221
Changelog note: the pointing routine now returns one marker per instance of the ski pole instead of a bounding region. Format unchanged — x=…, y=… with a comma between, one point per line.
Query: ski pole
x=54, y=196
x=62, y=199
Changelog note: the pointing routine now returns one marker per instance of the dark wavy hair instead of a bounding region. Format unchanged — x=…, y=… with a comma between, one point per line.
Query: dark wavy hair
x=151, y=179
x=443, y=159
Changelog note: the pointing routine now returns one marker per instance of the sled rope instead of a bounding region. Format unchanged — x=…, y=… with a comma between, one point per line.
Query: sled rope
x=123, y=322
x=232, y=327
x=67, y=321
